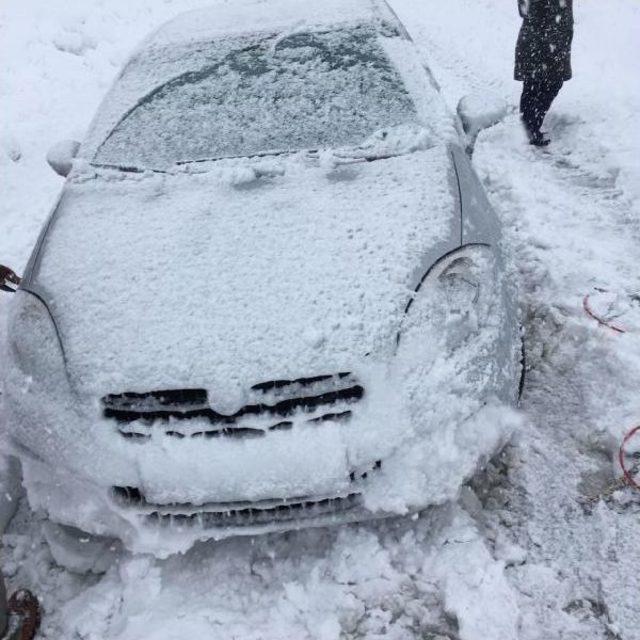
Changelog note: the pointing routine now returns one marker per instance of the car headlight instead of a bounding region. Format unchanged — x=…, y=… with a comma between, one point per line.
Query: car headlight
x=34, y=345
x=455, y=346
x=457, y=294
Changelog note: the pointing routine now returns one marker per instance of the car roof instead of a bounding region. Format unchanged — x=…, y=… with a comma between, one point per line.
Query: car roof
x=233, y=17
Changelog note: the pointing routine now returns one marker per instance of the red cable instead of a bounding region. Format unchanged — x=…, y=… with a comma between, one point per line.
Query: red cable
x=621, y=455
x=600, y=321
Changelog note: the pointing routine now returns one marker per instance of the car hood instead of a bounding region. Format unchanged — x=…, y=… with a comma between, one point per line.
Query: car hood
x=238, y=275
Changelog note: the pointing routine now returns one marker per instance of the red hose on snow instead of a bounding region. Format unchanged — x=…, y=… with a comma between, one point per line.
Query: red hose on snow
x=598, y=319
x=629, y=479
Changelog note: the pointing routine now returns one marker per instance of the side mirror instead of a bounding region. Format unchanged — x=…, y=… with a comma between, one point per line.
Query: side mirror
x=9, y=281
x=478, y=112
x=60, y=156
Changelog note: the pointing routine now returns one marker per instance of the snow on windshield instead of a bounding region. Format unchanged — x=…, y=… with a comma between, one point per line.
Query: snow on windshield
x=247, y=97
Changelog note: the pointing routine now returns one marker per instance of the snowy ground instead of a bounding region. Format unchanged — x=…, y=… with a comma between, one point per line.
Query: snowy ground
x=538, y=548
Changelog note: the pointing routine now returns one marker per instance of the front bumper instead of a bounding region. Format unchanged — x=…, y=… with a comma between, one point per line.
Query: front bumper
x=172, y=483
x=166, y=529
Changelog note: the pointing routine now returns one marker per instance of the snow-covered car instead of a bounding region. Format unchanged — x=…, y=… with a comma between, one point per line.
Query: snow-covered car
x=272, y=293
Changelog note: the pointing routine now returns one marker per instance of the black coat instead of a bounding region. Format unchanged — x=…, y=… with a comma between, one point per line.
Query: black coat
x=544, y=43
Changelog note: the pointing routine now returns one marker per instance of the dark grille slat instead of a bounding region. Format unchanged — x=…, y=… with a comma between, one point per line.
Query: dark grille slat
x=129, y=495
x=284, y=408
x=133, y=497
x=231, y=432
x=285, y=425
x=253, y=516
x=170, y=397
x=336, y=417
x=133, y=435
x=305, y=382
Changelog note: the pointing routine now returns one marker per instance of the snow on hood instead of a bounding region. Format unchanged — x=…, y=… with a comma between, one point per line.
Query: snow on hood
x=212, y=281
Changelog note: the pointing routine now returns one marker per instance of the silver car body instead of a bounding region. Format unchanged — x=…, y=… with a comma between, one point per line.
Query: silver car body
x=214, y=346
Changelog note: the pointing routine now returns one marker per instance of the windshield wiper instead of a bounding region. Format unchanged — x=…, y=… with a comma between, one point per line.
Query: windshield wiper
x=126, y=169
x=382, y=145
x=345, y=158
x=261, y=154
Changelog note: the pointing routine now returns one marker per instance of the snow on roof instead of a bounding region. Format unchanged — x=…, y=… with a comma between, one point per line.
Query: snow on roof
x=246, y=16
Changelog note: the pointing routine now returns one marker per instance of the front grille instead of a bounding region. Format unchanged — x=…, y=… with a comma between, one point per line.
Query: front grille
x=275, y=405
x=256, y=516
x=244, y=513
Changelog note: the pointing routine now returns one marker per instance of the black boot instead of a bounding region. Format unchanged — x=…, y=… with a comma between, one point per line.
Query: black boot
x=538, y=139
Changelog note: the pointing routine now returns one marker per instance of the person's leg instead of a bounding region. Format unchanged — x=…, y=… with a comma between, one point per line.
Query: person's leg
x=529, y=104
x=536, y=100
x=549, y=93
x=532, y=109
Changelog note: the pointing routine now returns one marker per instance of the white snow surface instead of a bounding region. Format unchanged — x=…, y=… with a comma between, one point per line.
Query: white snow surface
x=536, y=548
x=248, y=16
x=268, y=270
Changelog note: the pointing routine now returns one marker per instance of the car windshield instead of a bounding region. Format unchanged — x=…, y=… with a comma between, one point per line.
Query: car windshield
x=270, y=95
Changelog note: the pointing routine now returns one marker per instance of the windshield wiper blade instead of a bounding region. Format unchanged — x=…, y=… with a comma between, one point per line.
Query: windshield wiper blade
x=340, y=158
x=372, y=157
x=126, y=169
x=346, y=158
x=261, y=154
